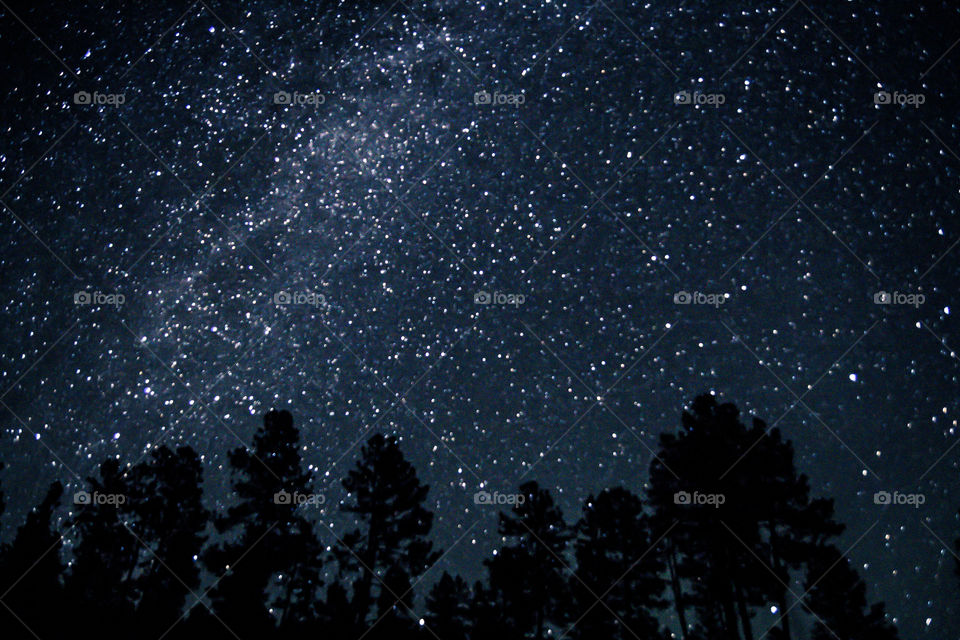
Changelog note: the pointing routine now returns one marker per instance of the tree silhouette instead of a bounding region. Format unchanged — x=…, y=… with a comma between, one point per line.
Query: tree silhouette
x=837, y=599
x=717, y=541
x=671, y=558
x=448, y=608
x=528, y=575
x=30, y=574
x=105, y=554
x=394, y=604
x=731, y=525
x=269, y=565
x=170, y=520
x=138, y=534
x=737, y=516
x=335, y=614
x=616, y=563
x=490, y=617
x=791, y=524
x=387, y=498
x=3, y=498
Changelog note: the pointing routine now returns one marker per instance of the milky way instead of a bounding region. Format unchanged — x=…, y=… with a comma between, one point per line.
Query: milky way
x=487, y=217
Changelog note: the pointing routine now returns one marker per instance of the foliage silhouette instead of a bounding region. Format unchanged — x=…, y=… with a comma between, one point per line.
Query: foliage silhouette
x=619, y=574
x=528, y=575
x=270, y=564
x=106, y=552
x=736, y=518
x=390, y=542
x=30, y=573
x=837, y=598
x=725, y=525
x=448, y=606
x=169, y=522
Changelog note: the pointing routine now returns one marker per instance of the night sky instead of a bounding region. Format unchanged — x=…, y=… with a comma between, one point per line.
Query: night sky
x=187, y=166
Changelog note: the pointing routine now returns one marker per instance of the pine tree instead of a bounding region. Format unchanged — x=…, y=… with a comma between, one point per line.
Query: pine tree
x=448, y=608
x=105, y=554
x=791, y=524
x=335, y=615
x=837, y=598
x=736, y=551
x=3, y=499
x=713, y=540
x=490, y=616
x=30, y=575
x=138, y=533
x=394, y=604
x=527, y=576
x=269, y=566
x=169, y=522
x=387, y=497
x=617, y=564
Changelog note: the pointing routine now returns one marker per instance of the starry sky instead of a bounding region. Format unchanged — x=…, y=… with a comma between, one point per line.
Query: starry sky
x=392, y=165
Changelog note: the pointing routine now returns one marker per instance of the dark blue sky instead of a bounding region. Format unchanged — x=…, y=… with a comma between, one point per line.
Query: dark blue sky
x=420, y=153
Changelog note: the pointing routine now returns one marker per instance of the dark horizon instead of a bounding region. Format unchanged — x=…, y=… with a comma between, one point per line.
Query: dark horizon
x=724, y=511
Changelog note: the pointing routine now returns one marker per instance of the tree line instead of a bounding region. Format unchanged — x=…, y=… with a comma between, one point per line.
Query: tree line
x=726, y=543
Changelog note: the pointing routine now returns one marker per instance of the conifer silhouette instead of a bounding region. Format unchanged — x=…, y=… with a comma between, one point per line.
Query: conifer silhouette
x=742, y=519
x=490, y=616
x=136, y=534
x=387, y=498
x=837, y=598
x=448, y=608
x=30, y=574
x=528, y=575
x=106, y=553
x=166, y=503
x=619, y=572
x=269, y=565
